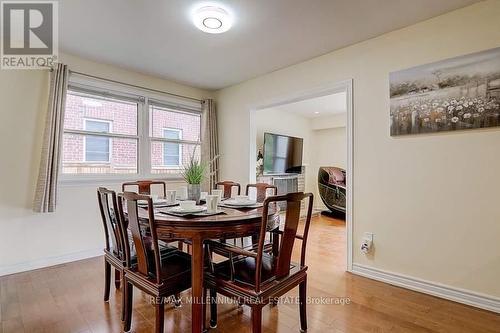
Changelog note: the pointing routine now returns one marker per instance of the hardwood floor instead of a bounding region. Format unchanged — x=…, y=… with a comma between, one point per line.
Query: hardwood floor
x=68, y=298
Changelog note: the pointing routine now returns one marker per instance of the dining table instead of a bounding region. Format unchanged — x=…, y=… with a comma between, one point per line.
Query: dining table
x=228, y=224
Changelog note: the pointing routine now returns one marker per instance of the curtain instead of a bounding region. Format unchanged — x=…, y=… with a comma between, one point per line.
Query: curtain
x=46, y=188
x=209, y=143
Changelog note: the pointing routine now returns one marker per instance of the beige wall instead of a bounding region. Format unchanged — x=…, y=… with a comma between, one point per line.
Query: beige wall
x=431, y=200
x=30, y=240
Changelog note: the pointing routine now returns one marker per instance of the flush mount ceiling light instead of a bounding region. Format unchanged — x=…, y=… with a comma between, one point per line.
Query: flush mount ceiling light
x=212, y=19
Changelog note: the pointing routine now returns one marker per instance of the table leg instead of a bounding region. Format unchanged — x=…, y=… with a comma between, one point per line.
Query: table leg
x=197, y=285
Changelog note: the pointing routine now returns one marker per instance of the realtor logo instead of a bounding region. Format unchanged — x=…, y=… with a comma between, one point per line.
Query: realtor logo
x=29, y=34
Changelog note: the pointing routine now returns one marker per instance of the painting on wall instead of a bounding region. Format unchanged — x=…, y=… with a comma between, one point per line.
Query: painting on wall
x=454, y=94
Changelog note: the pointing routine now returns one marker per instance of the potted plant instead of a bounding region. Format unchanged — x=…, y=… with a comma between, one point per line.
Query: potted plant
x=194, y=173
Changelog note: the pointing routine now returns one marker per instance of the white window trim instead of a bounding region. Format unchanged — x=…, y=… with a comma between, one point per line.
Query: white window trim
x=110, y=145
x=142, y=137
x=173, y=166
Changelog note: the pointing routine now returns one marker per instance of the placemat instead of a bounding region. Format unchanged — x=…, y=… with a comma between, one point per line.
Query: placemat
x=200, y=214
x=257, y=205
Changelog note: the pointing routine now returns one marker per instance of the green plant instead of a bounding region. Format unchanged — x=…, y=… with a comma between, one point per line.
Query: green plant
x=194, y=171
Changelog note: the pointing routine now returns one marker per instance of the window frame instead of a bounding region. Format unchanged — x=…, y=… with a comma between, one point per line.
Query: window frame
x=165, y=107
x=178, y=142
x=110, y=140
x=144, y=99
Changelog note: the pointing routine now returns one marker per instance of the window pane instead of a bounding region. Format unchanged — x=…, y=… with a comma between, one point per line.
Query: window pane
x=167, y=157
x=162, y=119
x=97, y=149
x=98, y=155
x=82, y=111
x=172, y=134
x=97, y=126
x=171, y=150
x=171, y=153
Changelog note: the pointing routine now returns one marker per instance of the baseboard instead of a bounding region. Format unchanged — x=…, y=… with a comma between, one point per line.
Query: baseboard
x=467, y=297
x=47, y=262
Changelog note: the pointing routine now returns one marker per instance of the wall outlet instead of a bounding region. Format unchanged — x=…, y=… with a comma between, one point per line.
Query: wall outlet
x=367, y=243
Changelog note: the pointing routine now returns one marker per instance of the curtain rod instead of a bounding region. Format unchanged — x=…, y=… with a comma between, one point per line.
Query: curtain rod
x=135, y=86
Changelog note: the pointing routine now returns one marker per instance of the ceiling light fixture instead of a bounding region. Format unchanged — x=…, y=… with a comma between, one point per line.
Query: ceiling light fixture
x=212, y=19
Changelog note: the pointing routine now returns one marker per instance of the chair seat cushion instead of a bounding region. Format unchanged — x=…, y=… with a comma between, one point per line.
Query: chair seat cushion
x=244, y=269
x=175, y=267
x=165, y=250
x=176, y=263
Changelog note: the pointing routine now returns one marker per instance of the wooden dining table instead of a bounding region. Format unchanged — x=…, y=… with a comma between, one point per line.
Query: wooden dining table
x=232, y=223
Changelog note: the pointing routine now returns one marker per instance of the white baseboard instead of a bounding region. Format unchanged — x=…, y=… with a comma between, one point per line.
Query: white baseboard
x=47, y=262
x=471, y=298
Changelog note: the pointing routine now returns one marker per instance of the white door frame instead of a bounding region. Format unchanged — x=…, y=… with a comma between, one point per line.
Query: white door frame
x=336, y=87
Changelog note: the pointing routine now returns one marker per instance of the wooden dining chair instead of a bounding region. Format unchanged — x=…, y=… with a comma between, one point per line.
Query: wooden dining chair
x=144, y=186
x=157, y=275
x=113, y=252
x=115, y=226
x=228, y=186
x=257, y=278
x=262, y=189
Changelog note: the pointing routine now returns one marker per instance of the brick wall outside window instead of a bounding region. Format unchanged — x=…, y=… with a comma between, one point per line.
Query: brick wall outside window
x=123, y=119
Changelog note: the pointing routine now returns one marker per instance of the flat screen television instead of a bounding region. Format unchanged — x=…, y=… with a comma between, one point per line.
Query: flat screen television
x=282, y=154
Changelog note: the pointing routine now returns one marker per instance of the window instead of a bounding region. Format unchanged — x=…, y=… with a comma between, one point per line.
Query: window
x=175, y=137
x=97, y=147
x=112, y=130
x=100, y=134
x=172, y=151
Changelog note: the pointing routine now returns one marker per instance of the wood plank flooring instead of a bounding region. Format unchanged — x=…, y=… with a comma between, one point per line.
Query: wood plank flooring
x=68, y=298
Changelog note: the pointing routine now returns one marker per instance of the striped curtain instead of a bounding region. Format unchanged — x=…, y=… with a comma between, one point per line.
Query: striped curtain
x=46, y=188
x=209, y=143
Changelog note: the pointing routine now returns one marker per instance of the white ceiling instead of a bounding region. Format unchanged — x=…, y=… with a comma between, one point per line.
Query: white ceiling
x=316, y=107
x=157, y=37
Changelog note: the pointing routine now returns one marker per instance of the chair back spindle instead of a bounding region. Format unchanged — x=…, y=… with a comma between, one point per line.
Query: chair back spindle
x=144, y=186
x=261, y=190
x=289, y=234
x=148, y=255
x=227, y=186
x=109, y=216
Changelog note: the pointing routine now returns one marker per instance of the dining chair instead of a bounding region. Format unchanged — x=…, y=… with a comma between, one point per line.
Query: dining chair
x=262, y=189
x=227, y=186
x=257, y=278
x=115, y=236
x=113, y=252
x=144, y=186
x=156, y=275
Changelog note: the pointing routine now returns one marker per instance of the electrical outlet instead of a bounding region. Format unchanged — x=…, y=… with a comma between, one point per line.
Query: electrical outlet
x=367, y=243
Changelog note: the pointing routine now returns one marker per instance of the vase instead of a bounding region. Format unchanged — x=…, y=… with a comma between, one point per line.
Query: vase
x=194, y=192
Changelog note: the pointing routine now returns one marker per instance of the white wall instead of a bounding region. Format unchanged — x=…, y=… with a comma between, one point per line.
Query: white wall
x=30, y=240
x=431, y=200
x=333, y=121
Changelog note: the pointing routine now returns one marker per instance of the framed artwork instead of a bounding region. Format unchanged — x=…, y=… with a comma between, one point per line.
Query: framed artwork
x=455, y=94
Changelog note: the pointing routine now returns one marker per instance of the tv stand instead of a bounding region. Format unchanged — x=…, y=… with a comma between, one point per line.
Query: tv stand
x=286, y=183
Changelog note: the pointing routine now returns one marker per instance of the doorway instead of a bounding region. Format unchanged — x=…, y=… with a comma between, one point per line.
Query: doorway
x=316, y=115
